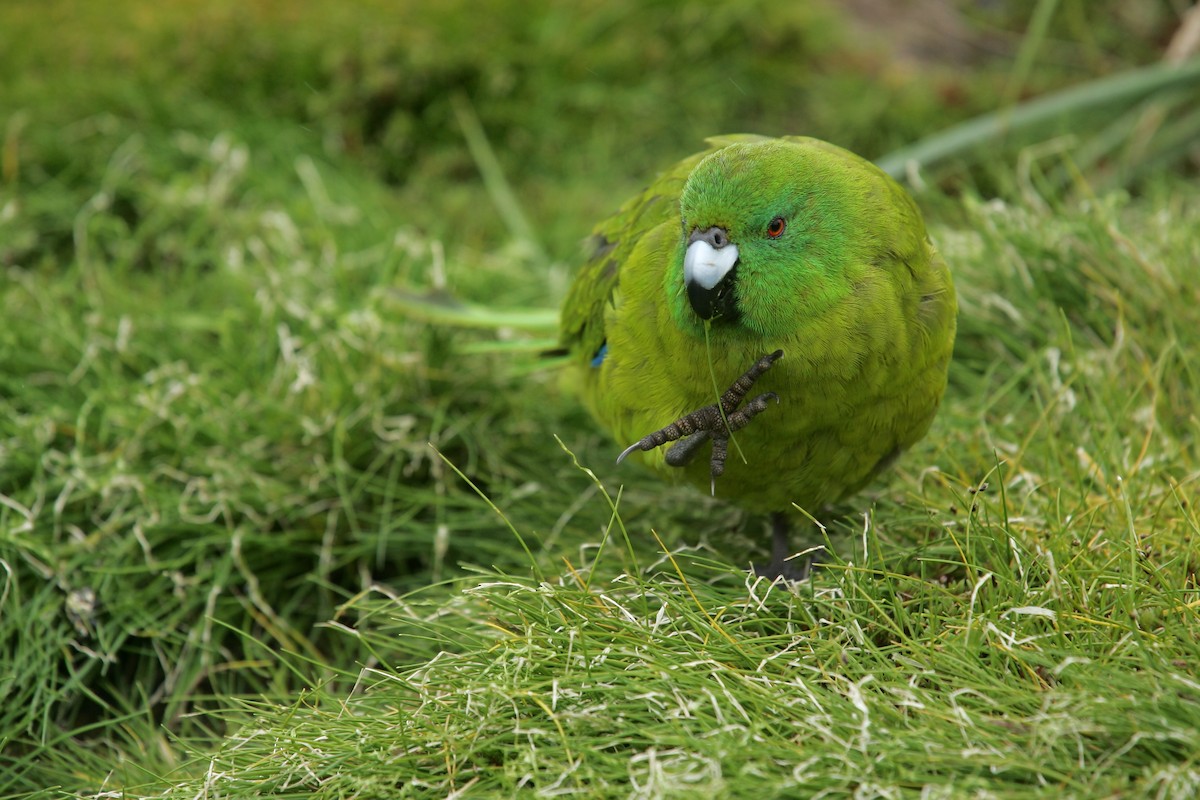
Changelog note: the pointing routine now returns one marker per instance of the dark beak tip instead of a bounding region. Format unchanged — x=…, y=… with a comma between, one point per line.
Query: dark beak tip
x=701, y=300
x=719, y=302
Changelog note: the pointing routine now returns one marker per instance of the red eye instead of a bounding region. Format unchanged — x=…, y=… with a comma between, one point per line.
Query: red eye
x=775, y=227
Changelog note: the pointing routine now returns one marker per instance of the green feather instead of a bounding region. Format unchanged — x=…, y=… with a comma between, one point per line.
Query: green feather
x=852, y=291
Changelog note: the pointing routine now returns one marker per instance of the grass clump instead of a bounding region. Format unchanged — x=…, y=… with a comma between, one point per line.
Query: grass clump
x=209, y=437
x=1015, y=615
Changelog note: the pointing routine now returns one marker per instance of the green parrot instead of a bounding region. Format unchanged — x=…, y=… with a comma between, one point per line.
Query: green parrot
x=788, y=267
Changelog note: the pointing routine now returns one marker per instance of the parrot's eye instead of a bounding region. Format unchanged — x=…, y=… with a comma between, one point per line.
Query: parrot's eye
x=775, y=227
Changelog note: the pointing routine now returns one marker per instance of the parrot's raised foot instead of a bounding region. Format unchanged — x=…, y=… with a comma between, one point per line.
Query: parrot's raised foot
x=716, y=422
x=683, y=451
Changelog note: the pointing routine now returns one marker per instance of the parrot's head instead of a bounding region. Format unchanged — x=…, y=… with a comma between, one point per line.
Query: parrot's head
x=773, y=232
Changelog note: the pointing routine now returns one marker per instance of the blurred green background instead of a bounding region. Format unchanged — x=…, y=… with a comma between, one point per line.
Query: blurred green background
x=607, y=92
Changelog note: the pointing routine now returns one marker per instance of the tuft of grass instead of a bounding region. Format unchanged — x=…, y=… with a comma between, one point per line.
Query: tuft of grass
x=214, y=429
x=1016, y=615
x=1144, y=97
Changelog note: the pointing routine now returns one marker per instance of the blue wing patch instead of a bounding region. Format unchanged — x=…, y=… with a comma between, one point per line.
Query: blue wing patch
x=598, y=359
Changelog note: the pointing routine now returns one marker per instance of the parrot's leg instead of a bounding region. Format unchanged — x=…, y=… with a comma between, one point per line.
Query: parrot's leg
x=717, y=422
x=779, y=566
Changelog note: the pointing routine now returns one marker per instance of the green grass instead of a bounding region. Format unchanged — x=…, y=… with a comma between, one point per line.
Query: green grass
x=1016, y=615
x=262, y=531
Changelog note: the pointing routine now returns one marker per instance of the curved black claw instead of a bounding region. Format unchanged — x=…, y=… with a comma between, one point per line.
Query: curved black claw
x=716, y=422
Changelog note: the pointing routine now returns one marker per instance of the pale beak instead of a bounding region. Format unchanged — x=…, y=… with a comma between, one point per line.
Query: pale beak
x=709, y=269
